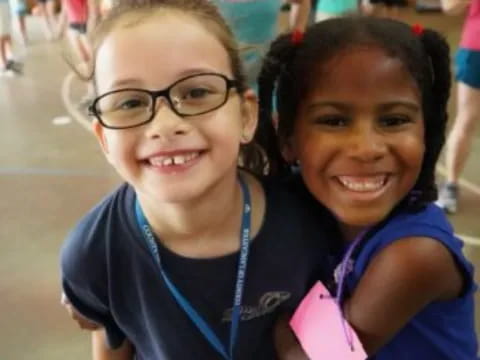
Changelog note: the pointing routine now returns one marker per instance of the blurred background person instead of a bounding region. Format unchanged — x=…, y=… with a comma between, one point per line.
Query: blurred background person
x=19, y=12
x=387, y=8
x=47, y=9
x=327, y=9
x=467, y=71
x=255, y=24
x=8, y=65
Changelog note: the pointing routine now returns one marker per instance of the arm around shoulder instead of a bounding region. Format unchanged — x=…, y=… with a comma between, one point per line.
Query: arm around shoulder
x=286, y=344
x=401, y=280
x=101, y=351
x=84, y=278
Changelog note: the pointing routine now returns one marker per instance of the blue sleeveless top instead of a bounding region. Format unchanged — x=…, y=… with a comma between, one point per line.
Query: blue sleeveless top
x=442, y=330
x=255, y=25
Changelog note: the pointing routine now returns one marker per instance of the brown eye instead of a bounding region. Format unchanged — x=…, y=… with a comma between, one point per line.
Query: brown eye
x=394, y=120
x=332, y=121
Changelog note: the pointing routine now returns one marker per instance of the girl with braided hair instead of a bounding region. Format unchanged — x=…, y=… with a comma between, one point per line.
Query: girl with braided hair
x=362, y=112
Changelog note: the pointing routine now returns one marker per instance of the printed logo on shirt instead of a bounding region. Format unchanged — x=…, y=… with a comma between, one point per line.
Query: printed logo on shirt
x=267, y=304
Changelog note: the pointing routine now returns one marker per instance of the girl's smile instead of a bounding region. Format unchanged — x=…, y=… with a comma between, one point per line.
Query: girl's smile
x=360, y=190
x=173, y=162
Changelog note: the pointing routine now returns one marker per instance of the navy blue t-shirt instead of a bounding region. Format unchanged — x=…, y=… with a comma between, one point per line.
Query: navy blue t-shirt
x=109, y=275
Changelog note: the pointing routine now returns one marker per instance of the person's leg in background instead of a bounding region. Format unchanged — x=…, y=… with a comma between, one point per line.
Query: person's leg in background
x=459, y=143
x=463, y=130
x=47, y=11
x=8, y=66
x=77, y=37
x=19, y=11
x=78, y=42
x=22, y=26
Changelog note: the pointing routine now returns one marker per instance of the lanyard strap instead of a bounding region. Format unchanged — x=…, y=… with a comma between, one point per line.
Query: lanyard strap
x=341, y=281
x=196, y=318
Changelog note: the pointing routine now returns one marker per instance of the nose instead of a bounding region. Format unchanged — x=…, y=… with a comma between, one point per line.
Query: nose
x=367, y=144
x=166, y=124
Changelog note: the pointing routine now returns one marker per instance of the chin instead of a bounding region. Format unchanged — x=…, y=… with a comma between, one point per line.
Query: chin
x=363, y=221
x=175, y=197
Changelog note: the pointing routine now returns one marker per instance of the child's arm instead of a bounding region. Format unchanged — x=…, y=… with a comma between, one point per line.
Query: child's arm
x=286, y=344
x=101, y=351
x=398, y=283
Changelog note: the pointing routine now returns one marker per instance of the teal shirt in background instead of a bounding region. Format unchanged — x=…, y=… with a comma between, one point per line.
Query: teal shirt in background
x=255, y=25
x=336, y=7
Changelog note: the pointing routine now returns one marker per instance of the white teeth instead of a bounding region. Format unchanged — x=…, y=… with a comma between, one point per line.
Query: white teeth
x=173, y=160
x=178, y=160
x=363, y=185
x=167, y=161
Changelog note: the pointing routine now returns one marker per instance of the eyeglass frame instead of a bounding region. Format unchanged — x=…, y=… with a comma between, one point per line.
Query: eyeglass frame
x=155, y=94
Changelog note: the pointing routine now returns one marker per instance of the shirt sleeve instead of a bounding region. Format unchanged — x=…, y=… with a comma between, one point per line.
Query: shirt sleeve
x=85, y=281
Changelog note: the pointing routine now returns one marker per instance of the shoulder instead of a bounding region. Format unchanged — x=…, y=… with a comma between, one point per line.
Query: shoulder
x=85, y=245
x=414, y=256
x=416, y=248
x=418, y=264
x=429, y=222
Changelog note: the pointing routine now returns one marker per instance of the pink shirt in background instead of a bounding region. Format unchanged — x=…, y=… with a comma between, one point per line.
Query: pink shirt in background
x=471, y=28
x=76, y=11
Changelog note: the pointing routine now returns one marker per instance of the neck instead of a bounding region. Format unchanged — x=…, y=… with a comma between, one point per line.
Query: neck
x=350, y=232
x=202, y=226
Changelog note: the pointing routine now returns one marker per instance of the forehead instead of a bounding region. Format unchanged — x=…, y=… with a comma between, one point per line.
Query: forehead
x=365, y=72
x=158, y=50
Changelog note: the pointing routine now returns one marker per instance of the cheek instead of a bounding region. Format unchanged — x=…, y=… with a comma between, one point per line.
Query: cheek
x=121, y=150
x=224, y=130
x=413, y=150
x=310, y=148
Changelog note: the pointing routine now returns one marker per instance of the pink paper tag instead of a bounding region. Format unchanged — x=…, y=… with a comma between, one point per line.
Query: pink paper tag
x=317, y=323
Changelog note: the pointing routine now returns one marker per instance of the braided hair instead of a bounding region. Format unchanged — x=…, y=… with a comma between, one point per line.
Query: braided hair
x=287, y=74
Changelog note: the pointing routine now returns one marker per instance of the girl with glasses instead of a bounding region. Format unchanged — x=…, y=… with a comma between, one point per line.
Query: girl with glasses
x=191, y=258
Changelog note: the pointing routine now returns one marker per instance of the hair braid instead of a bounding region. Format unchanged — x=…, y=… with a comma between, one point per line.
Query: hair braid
x=435, y=107
x=278, y=58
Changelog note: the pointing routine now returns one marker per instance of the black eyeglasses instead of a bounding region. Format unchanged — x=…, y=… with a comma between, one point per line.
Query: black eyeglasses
x=193, y=95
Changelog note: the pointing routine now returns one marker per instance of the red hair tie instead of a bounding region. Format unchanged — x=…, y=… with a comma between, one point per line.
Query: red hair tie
x=418, y=29
x=297, y=37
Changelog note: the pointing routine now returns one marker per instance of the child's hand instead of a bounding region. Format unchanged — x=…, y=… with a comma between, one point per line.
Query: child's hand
x=82, y=321
x=286, y=344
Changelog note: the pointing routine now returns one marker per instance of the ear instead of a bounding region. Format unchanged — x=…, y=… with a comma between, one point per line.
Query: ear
x=99, y=132
x=250, y=116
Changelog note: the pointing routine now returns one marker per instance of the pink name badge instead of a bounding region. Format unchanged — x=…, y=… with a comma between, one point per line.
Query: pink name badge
x=322, y=331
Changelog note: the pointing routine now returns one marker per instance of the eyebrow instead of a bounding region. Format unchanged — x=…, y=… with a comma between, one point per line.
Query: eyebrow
x=129, y=82
x=382, y=107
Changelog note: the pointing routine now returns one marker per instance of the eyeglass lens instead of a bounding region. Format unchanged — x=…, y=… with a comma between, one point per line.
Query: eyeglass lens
x=191, y=96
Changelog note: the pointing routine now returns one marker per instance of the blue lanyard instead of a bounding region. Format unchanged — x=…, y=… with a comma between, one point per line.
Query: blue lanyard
x=199, y=322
